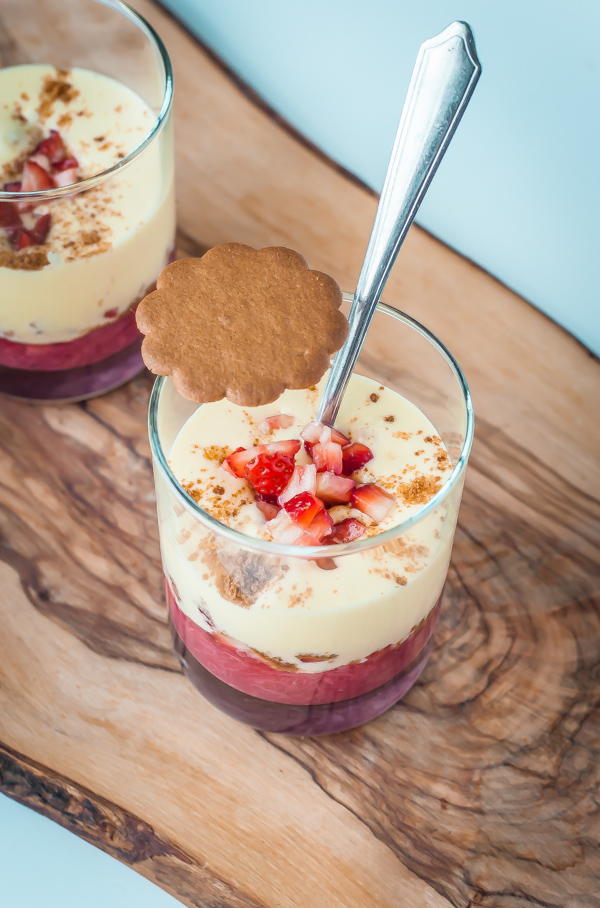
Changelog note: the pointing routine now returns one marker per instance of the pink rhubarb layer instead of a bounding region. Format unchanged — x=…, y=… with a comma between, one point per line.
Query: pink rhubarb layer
x=246, y=671
x=92, y=347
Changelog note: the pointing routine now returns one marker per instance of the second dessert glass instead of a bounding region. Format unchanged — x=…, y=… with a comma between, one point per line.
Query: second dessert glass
x=230, y=597
x=67, y=321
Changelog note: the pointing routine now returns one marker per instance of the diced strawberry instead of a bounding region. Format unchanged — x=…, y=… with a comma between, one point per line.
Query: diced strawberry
x=283, y=529
x=42, y=160
x=281, y=421
x=354, y=457
x=52, y=146
x=304, y=479
x=289, y=446
x=345, y=531
x=332, y=489
x=303, y=508
x=373, y=501
x=269, y=499
x=307, y=539
x=23, y=239
x=270, y=472
x=40, y=229
x=9, y=216
x=269, y=511
x=35, y=178
x=316, y=431
x=16, y=186
x=338, y=438
x=321, y=525
x=66, y=177
x=312, y=432
x=66, y=164
x=236, y=462
x=328, y=433
x=327, y=456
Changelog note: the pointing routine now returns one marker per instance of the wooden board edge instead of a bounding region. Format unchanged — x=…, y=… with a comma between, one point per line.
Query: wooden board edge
x=116, y=832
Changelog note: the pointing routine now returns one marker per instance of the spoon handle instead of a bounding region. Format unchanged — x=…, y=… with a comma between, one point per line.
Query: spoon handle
x=443, y=80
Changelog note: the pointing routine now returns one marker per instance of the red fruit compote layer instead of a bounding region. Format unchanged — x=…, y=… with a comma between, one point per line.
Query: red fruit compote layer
x=73, y=268
x=324, y=635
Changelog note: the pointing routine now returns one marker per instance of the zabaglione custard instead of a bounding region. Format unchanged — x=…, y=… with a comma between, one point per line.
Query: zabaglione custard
x=322, y=632
x=73, y=266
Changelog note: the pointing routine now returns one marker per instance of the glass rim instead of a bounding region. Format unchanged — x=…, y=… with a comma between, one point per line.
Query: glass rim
x=144, y=26
x=347, y=548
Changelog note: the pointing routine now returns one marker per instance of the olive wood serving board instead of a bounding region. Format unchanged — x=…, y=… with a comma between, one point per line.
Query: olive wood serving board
x=481, y=787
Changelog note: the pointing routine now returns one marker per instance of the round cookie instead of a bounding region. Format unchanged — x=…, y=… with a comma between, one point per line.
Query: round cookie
x=241, y=323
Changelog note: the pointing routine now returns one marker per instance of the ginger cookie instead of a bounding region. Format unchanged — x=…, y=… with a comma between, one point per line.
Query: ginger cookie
x=241, y=323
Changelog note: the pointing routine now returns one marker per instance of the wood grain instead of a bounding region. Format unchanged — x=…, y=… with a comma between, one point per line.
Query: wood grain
x=481, y=788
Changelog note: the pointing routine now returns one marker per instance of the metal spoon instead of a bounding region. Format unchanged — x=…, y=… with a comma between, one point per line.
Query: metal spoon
x=443, y=80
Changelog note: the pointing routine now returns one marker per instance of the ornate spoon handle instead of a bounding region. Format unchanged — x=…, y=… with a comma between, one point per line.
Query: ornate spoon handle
x=443, y=80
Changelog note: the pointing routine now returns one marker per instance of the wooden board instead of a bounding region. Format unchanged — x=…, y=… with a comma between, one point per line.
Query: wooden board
x=481, y=788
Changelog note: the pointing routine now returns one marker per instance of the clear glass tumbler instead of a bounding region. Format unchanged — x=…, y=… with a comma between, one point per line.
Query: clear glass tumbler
x=229, y=596
x=87, y=214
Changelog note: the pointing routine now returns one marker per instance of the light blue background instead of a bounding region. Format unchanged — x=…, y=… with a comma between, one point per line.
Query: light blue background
x=519, y=190
x=44, y=866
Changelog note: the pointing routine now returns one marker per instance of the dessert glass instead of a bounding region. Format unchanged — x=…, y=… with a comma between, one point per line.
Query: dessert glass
x=355, y=662
x=67, y=328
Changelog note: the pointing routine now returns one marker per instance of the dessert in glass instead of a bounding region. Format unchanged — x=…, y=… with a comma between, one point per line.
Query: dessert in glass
x=305, y=566
x=86, y=196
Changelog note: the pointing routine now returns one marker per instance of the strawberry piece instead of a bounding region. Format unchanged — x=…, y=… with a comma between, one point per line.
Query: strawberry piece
x=266, y=499
x=236, y=462
x=66, y=176
x=269, y=511
x=312, y=432
x=22, y=239
x=321, y=525
x=337, y=437
x=354, y=457
x=17, y=186
x=373, y=501
x=332, y=489
x=66, y=164
x=269, y=472
x=9, y=216
x=327, y=456
x=345, y=531
x=42, y=160
x=315, y=431
x=39, y=231
x=35, y=178
x=289, y=447
x=288, y=532
x=284, y=530
x=303, y=508
x=52, y=146
x=308, y=539
x=281, y=421
x=304, y=479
